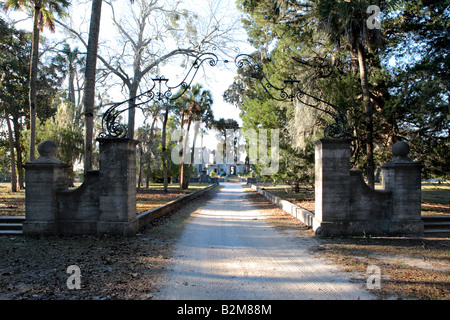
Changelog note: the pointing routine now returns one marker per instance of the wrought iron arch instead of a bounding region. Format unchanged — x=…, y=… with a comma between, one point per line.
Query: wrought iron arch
x=162, y=92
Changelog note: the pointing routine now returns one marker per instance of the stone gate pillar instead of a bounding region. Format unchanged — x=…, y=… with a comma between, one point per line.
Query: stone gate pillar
x=117, y=181
x=402, y=177
x=43, y=178
x=332, y=186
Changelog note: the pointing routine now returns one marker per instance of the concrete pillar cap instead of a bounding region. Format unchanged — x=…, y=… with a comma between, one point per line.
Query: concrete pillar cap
x=400, y=149
x=47, y=156
x=47, y=149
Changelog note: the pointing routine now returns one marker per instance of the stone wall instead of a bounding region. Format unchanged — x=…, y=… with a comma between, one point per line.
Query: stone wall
x=117, y=199
x=402, y=177
x=104, y=204
x=44, y=177
x=78, y=209
x=346, y=205
x=332, y=180
x=366, y=203
x=146, y=217
x=303, y=215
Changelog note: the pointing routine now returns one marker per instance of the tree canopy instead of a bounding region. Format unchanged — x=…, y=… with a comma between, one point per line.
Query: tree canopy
x=386, y=69
x=329, y=46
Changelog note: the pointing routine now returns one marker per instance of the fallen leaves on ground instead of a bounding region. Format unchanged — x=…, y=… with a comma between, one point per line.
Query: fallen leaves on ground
x=35, y=268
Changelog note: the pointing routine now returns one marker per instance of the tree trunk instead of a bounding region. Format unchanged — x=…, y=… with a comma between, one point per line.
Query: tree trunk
x=13, y=156
x=72, y=101
x=181, y=154
x=132, y=109
x=141, y=164
x=33, y=77
x=184, y=167
x=164, y=151
x=297, y=187
x=368, y=109
x=150, y=145
x=89, y=90
x=19, y=161
x=149, y=170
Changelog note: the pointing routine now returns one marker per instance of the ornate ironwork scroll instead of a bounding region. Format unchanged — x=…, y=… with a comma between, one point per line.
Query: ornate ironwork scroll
x=291, y=91
x=160, y=92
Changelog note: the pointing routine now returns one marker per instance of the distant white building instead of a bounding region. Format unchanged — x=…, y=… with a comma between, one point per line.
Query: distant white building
x=229, y=169
x=224, y=168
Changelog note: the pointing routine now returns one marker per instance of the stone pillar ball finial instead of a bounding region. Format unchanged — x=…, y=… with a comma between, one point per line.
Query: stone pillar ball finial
x=400, y=149
x=47, y=149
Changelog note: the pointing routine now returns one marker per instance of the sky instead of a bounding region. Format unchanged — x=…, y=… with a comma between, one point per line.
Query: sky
x=216, y=79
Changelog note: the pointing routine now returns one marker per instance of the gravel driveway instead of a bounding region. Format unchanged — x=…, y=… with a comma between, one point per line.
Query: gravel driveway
x=228, y=251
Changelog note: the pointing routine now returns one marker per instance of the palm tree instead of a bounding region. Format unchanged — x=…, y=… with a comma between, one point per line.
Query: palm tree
x=347, y=21
x=167, y=109
x=222, y=125
x=43, y=11
x=68, y=60
x=194, y=106
x=200, y=111
x=89, y=88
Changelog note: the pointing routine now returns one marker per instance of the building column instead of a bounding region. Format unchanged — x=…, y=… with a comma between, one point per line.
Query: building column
x=117, y=199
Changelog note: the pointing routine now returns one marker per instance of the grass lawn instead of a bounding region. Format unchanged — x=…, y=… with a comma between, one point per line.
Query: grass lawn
x=13, y=203
x=435, y=199
x=154, y=196
x=304, y=198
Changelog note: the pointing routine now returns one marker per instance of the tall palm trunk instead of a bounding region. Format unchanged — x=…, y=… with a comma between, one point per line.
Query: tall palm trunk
x=141, y=165
x=368, y=109
x=164, y=149
x=33, y=77
x=183, y=166
x=19, y=161
x=181, y=154
x=13, y=156
x=89, y=91
x=150, y=145
x=191, y=165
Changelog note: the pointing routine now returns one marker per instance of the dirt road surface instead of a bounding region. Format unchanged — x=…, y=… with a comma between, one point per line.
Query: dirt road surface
x=229, y=252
